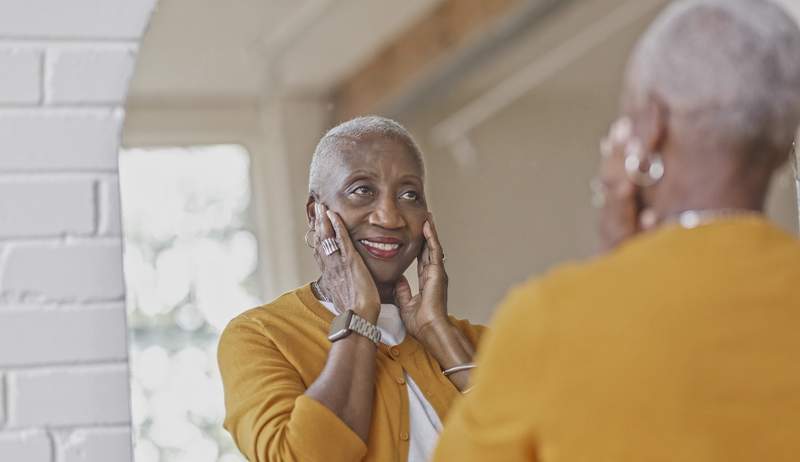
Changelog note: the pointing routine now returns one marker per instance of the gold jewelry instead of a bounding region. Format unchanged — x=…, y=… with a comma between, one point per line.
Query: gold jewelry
x=690, y=219
x=454, y=369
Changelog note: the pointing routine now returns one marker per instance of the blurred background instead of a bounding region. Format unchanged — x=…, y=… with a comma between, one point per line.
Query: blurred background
x=508, y=99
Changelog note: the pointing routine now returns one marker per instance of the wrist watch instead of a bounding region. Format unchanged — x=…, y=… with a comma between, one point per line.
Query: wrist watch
x=348, y=322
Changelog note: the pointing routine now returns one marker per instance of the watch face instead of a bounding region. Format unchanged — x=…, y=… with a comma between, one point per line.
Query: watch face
x=340, y=327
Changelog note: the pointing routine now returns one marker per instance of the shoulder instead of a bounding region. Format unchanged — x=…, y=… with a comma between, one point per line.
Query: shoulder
x=285, y=313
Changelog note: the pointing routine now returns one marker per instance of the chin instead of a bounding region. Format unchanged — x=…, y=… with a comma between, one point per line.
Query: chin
x=384, y=273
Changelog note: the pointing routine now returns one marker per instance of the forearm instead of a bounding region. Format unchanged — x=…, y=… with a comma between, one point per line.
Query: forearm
x=450, y=347
x=347, y=383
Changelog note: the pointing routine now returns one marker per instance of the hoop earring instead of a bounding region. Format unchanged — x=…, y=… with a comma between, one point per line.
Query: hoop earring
x=308, y=233
x=633, y=164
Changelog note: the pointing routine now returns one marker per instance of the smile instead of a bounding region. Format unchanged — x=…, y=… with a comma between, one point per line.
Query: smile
x=382, y=250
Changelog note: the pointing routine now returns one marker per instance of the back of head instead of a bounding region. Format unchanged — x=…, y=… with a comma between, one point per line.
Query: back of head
x=730, y=69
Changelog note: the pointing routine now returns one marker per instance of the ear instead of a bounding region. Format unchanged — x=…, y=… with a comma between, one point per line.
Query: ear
x=651, y=124
x=311, y=214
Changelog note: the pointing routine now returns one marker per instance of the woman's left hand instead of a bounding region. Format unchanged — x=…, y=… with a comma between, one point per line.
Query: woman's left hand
x=428, y=308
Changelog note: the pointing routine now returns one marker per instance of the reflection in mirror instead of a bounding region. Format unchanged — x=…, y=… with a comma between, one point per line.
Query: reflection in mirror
x=507, y=99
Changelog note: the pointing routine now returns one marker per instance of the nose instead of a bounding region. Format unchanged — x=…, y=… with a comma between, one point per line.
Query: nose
x=386, y=214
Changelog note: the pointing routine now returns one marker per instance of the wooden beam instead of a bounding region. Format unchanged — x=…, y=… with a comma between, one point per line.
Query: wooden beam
x=449, y=28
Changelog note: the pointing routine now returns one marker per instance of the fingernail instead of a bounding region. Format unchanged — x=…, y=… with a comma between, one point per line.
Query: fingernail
x=317, y=209
x=330, y=215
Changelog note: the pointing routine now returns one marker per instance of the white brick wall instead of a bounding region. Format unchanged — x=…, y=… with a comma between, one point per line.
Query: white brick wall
x=68, y=396
x=64, y=72
x=60, y=139
x=36, y=207
x=63, y=271
x=88, y=75
x=95, y=445
x=21, y=78
x=29, y=446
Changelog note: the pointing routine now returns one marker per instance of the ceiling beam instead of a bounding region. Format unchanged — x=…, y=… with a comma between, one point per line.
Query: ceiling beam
x=452, y=26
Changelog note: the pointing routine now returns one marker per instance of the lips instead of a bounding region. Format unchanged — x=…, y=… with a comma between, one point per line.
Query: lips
x=382, y=248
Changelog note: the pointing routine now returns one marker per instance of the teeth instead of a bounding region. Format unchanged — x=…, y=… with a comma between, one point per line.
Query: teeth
x=380, y=245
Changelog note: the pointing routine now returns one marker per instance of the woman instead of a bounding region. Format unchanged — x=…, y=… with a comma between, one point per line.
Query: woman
x=680, y=343
x=353, y=366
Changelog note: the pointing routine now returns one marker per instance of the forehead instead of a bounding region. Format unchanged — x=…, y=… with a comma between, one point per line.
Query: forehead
x=378, y=154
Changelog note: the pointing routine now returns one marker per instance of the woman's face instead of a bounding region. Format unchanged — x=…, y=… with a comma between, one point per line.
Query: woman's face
x=375, y=184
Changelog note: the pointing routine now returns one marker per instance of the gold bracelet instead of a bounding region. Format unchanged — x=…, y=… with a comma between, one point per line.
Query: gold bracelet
x=454, y=369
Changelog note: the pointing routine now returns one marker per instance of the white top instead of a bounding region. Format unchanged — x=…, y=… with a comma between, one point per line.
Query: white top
x=424, y=423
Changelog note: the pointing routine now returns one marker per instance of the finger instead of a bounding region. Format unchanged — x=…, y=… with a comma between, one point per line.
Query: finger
x=402, y=292
x=432, y=242
x=324, y=226
x=342, y=236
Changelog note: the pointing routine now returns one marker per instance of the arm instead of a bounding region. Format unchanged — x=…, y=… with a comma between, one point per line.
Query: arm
x=268, y=413
x=425, y=314
x=347, y=383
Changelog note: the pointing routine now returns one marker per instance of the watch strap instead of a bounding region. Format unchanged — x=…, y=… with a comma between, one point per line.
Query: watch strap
x=365, y=328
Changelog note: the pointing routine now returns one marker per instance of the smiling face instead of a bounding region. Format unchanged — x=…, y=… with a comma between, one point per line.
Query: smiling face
x=376, y=185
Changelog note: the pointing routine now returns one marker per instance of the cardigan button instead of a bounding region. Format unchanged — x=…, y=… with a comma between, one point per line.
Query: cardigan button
x=401, y=381
x=404, y=436
x=395, y=352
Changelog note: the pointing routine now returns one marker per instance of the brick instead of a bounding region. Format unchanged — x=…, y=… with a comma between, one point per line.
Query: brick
x=113, y=19
x=110, y=223
x=90, y=76
x=58, y=140
x=85, y=271
x=94, y=395
x=21, y=76
x=53, y=335
x=28, y=446
x=95, y=445
x=34, y=207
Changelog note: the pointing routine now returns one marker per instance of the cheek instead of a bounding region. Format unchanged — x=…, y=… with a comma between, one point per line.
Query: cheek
x=415, y=224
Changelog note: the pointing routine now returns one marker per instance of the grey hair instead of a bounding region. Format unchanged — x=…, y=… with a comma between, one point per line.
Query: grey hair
x=350, y=133
x=733, y=66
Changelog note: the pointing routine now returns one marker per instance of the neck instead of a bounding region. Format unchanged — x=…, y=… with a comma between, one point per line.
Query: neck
x=708, y=191
x=385, y=291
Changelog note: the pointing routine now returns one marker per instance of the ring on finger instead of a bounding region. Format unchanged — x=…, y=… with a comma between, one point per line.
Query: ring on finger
x=329, y=246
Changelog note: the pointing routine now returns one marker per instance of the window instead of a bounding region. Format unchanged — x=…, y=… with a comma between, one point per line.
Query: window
x=191, y=265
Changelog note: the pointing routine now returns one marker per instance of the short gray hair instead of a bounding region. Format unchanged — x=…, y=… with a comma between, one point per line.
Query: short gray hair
x=732, y=65
x=353, y=131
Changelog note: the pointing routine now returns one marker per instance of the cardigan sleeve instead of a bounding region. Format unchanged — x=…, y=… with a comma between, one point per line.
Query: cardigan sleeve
x=267, y=412
x=486, y=424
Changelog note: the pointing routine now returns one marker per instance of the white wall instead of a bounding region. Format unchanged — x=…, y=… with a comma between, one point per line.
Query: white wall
x=64, y=71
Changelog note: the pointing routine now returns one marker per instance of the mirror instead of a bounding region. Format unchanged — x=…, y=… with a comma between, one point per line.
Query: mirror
x=507, y=99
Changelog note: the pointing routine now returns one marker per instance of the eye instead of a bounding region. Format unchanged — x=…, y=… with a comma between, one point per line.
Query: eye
x=409, y=195
x=361, y=191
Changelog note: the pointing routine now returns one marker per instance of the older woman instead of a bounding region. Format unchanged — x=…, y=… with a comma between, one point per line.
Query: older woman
x=681, y=342
x=353, y=366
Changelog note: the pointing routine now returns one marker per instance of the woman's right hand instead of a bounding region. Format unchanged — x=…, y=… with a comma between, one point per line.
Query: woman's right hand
x=621, y=216
x=345, y=281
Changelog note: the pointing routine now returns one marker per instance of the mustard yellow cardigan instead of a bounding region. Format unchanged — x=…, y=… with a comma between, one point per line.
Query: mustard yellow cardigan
x=682, y=346
x=270, y=355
